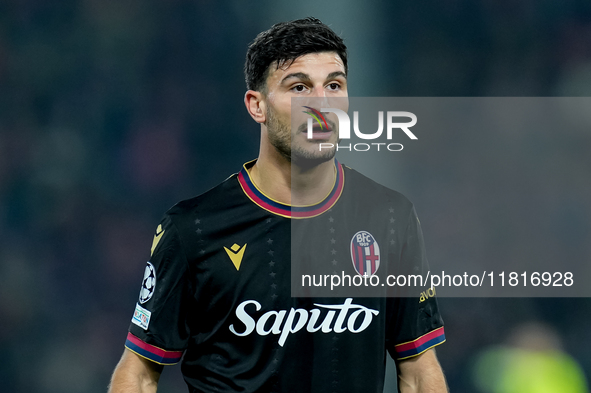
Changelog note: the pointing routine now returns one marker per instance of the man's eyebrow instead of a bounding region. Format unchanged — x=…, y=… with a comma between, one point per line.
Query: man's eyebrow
x=336, y=74
x=297, y=75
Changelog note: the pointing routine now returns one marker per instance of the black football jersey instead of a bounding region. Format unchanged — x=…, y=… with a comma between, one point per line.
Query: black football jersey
x=218, y=289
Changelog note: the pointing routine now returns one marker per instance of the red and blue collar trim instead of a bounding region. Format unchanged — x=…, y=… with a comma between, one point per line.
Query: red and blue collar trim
x=291, y=211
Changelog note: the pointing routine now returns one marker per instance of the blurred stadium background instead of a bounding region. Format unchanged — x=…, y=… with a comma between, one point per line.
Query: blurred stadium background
x=112, y=111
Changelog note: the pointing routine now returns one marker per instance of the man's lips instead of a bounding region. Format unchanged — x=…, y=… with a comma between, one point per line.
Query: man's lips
x=318, y=128
x=320, y=132
x=321, y=135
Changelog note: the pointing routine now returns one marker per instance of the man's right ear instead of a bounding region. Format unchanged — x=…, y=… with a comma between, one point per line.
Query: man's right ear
x=256, y=105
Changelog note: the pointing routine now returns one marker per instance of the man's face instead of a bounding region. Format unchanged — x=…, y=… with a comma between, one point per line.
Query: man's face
x=318, y=76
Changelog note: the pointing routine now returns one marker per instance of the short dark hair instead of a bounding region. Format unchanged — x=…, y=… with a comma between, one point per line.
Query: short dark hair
x=286, y=41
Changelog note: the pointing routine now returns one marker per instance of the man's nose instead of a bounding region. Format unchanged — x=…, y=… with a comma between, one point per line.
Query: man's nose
x=320, y=94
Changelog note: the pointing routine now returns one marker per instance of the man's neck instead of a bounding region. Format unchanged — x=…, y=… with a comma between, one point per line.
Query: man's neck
x=291, y=184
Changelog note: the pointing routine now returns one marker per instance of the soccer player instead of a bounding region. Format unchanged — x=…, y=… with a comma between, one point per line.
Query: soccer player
x=216, y=291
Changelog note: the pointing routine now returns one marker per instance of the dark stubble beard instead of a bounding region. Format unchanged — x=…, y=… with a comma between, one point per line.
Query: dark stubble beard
x=280, y=137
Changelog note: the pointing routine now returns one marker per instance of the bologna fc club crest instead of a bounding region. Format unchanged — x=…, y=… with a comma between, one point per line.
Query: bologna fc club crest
x=365, y=253
x=148, y=283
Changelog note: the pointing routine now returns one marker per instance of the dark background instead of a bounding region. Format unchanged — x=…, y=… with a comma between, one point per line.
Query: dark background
x=112, y=111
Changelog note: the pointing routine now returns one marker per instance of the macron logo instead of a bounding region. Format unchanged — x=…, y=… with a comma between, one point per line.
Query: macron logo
x=236, y=253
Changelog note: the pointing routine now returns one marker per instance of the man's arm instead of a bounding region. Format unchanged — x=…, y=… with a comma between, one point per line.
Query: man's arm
x=135, y=374
x=421, y=374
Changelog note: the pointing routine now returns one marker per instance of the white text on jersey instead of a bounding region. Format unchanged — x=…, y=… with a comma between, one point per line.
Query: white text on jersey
x=293, y=324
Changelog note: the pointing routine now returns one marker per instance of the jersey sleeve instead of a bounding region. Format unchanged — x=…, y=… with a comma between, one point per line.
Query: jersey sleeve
x=415, y=322
x=158, y=329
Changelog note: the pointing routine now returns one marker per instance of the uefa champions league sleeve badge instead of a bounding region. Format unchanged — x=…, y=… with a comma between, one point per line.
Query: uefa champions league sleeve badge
x=148, y=284
x=141, y=316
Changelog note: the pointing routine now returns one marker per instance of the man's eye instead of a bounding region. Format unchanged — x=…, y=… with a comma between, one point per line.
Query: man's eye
x=299, y=88
x=334, y=86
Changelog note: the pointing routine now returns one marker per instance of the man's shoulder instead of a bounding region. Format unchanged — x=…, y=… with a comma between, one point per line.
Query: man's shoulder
x=366, y=190
x=216, y=199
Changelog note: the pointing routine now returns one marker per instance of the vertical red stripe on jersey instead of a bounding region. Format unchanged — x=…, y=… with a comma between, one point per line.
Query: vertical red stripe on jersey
x=373, y=260
x=353, y=255
x=361, y=260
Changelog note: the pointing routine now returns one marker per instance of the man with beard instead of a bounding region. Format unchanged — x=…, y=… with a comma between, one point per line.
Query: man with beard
x=217, y=287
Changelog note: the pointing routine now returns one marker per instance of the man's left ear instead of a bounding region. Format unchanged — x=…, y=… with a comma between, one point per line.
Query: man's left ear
x=255, y=105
